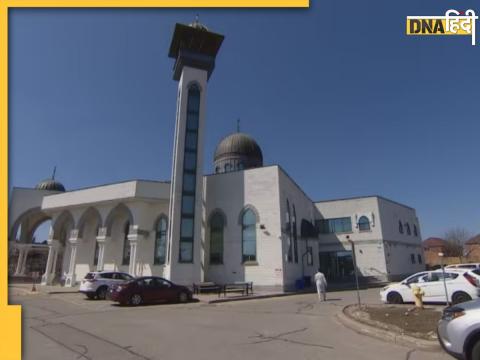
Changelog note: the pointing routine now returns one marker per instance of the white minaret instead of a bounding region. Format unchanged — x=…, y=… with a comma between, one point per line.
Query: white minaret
x=194, y=49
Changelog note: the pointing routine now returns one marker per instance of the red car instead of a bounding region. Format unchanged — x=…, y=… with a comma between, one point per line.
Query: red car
x=148, y=289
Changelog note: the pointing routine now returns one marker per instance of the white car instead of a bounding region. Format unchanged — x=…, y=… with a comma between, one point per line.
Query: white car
x=470, y=266
x=459, y=330
x=461, y=287
x=96, y=284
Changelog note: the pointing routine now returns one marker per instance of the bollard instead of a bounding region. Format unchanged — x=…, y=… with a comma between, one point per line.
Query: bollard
x=418, y=294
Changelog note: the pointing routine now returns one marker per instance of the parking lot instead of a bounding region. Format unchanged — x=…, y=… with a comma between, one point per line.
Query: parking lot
x=68, y=326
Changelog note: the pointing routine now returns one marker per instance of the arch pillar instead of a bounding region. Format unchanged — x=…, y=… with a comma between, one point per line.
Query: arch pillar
x=21, y=252
x=74, y=240
x=49, y=273
x=135, y=235
x=23, y=268
x=102, y=239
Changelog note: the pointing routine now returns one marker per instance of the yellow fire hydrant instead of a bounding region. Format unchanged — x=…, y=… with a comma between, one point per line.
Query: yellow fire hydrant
x=418, y=294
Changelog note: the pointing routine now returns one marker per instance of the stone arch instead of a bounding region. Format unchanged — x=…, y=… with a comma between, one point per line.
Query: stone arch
x=31, y=219
x=117, y=211
x=248, y=207
x=60, y=226
x=219, y=212
x=89, y=215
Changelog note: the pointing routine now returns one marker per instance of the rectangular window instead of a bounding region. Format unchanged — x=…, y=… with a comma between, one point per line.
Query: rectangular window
x=419, y=257
x=186, y=250
x=188, y=204
x=186, y=230
x=190, y=161
x=191, y=140
x=249, y=243
x=334, y=226
x=189, y=182
x=412, y=258
x=192, y=121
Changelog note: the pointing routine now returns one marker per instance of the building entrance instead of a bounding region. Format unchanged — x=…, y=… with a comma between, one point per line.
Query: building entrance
x=337, y=265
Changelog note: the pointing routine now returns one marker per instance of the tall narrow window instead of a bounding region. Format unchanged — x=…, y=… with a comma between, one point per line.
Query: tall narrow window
x=249, y=236
x=415, y=231
x=400, y=227
x=187, y=222
x=289, y=233
x=363, y=224
x=216, y=239
x=408, y=229
x=126, y=245
x=294, y=233
x=160, y=241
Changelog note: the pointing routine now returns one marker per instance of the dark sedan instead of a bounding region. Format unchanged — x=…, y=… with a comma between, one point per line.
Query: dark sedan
x=148, y=289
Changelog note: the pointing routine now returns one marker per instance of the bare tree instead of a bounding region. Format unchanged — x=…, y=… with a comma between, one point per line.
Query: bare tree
x=455, y=239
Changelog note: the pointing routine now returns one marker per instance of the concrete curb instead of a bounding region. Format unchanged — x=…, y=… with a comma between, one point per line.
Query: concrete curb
x=385, y=335
x=253, y=297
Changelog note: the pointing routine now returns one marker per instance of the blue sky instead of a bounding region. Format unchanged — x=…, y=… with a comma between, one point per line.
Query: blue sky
x=336, y=94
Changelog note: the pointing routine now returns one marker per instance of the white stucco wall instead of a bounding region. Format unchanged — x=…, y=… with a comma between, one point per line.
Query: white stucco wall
x=399, y=247
x=368, y=244
x=231, y=192
x=304, y=209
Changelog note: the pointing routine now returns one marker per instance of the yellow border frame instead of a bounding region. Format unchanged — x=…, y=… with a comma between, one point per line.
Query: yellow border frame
x=10, y=315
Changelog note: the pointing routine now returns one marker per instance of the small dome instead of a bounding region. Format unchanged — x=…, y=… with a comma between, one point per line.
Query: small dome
x=51, y=185
x=237, y=151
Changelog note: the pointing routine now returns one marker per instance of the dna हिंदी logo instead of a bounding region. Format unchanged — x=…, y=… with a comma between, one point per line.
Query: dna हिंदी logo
x=452, y=23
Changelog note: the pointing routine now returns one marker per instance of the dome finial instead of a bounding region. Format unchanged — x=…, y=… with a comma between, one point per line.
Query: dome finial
x=54, y=171
x=238, y=125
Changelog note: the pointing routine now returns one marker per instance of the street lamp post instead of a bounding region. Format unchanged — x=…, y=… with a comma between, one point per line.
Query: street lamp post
x=352, y=244
x=441, y=255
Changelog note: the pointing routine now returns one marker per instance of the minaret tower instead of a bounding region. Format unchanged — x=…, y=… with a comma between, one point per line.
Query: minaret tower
x=194, y=49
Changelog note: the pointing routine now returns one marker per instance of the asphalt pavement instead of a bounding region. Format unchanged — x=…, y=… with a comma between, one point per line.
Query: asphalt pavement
x=68, y=326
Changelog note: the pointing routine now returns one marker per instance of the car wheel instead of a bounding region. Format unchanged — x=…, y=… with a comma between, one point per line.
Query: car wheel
x=475, y=353
x=394, y=298
x=136, y=299
x=460, y=297
x=183, y=297
x=91, y=296
x=102, y=292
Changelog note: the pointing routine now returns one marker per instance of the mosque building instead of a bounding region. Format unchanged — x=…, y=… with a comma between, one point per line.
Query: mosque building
x=245, y=222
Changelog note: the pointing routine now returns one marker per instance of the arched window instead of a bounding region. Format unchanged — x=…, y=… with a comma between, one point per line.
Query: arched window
x=217, y=169
x=249, y=236
x=216, y=239
x=228, y=167
x=294, y=233
x=126, y=245
x=160, y=241
x=408, y=229
x=415, y=232
x=289, y=233
x=363, y=223
x=400, y=227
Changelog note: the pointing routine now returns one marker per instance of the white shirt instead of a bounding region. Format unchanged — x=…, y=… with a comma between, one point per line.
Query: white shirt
x=320, y=279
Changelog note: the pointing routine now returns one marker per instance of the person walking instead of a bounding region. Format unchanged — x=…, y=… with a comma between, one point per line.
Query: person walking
x=321, y=283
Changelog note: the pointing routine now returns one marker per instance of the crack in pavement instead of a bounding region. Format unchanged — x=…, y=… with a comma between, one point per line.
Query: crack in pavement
x=280, y=337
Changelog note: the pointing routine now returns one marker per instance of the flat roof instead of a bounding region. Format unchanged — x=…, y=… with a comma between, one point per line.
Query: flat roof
x=365, y=197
